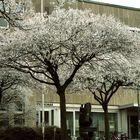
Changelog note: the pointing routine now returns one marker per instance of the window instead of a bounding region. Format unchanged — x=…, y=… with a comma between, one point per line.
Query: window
x=98, y=122
x=70, y=118
x=47, y=9
x=77, y=123
x=113, y=122
x=3, y=107
x=18, y=106
x=4, y=121
x=134, y=29
x=52, y=116
x=3, y=23
x=20, y=7
x=48, y=117
x=4, y=7
x=18, y=120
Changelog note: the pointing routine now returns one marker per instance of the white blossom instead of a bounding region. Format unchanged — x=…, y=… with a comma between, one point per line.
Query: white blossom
x=65, y=36
x=59, y=47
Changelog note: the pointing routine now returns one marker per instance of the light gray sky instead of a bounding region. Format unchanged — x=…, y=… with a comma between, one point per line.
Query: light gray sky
x=128, y=3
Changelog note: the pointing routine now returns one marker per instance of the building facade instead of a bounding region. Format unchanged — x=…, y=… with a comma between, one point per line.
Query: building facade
x=123, y=107
x=127, y=15
x=123, y=111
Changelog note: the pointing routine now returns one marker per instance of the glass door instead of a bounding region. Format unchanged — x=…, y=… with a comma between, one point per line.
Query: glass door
x=48, y=117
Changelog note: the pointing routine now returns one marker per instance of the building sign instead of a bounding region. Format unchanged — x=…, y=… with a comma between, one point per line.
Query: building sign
x=126, y=3
x=45, y=104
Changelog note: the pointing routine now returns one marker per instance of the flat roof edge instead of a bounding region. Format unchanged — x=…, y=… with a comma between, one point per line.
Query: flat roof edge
x=128, y=106
x=111, y=5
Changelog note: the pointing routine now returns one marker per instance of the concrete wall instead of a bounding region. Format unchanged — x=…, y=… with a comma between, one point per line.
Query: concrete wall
x=124, y=96
x=129, y=16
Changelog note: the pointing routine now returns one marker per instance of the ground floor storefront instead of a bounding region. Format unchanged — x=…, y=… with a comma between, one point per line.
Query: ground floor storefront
x=131, y=120
x=123, y=120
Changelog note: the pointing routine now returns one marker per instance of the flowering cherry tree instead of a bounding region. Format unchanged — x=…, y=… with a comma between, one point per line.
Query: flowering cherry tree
x=8, y=82
x=11, y=82
x=12, y=94
x=104, y=78
x=58, y=46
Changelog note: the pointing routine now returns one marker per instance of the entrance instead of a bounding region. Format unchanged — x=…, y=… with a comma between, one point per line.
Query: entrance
x=133, y=128
x=48, y=117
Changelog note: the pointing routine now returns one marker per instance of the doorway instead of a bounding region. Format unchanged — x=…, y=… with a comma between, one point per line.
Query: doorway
x=48, y=117
x=133, y=128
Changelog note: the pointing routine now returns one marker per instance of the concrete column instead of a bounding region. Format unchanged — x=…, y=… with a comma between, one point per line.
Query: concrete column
x=119, y=121
x=10, y=113
x=57, y=117
x=11, y=118
x=124, y=123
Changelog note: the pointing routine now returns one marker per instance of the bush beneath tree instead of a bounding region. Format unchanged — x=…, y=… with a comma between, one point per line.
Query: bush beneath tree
x=51, y=133
x=27, y=133
x=19, y=133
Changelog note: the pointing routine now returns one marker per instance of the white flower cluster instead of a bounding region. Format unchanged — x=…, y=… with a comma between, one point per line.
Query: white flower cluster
x=68, y=39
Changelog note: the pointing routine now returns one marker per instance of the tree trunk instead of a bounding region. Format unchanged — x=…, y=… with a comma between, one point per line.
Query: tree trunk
x=106, y=121
x=0, y=95
x=63, y=115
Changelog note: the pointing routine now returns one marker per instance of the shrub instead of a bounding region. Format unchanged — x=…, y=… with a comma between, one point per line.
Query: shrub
x=19, y=133
x=51, y=132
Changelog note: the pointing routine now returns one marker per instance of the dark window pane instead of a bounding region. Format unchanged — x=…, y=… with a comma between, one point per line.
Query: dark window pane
x=3, y=22
x=4, y=121
x=18, y=120
x=69, y=117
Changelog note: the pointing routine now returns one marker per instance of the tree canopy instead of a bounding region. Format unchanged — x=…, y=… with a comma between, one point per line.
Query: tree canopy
x=104, y=78
x=57, y=46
